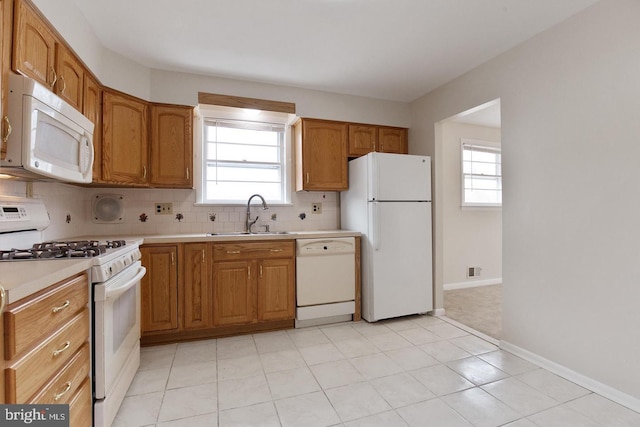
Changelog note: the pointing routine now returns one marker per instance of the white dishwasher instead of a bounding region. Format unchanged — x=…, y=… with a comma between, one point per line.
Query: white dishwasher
x=325, y=280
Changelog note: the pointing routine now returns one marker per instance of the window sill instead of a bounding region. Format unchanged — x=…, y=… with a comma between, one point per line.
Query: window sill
x=480, y=207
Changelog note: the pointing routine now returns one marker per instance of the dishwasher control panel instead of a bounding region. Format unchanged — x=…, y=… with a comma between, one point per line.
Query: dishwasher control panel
x=332, y=246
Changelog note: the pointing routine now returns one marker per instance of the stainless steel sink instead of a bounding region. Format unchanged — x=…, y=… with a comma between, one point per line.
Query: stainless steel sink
x=245, y=233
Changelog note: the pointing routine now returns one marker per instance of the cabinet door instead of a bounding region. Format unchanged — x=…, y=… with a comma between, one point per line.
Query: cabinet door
x=171, y=146
x=125, y=143
x=393, y=140
x=276, y=293
x=362, y=139
x=70, y=83
x=34, y=45
x=92, y=109
x=159, y=288
x=3, y=302
x=197, y=296
x=321, y=155
x=6, y=25
x=234, y=292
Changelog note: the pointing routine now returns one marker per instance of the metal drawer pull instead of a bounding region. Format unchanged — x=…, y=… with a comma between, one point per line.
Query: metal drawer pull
x=62, y=307
x=67, y=387
x=233, y=252
x=275, y=250
x=63, y=349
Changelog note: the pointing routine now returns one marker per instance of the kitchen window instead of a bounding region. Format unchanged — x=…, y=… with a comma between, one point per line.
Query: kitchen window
x=241, y=158
x=481, y=173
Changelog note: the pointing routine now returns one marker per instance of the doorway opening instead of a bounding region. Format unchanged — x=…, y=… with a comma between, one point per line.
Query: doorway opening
x=469, y=151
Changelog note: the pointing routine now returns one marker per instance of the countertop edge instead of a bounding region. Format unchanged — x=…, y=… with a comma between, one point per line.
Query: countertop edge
x=187, y=238
x=23, y=278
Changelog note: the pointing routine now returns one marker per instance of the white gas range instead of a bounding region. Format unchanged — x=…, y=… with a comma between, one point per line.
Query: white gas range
x=115, y=275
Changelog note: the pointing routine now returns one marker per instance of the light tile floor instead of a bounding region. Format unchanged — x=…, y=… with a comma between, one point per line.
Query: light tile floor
x=415, y=371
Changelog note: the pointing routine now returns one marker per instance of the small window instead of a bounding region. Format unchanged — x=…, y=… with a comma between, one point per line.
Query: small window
x=481, y=173
x=241, y=158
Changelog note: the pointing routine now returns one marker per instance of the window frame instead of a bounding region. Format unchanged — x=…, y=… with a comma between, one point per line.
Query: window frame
x=208, y=113
x=486, y=146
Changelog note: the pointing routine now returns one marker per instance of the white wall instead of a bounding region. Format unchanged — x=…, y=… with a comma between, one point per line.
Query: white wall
x=183, y=88
x=472, y=237
x=570, y=99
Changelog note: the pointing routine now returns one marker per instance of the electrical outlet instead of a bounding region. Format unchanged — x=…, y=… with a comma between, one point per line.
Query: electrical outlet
x=473, y=272
x=164, y=208
x=316, y=208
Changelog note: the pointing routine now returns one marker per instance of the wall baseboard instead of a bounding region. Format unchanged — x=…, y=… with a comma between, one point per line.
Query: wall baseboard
x=575, y=377
x=437, y=312
x=471, y=284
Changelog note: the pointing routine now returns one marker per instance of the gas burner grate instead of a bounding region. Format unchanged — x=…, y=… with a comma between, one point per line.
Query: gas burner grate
x=62, y=249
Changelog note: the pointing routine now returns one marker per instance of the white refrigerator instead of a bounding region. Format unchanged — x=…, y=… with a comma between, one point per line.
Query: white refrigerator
x=389, y=202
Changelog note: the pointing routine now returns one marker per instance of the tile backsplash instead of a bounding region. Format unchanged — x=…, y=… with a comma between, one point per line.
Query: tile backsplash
x=70, y=210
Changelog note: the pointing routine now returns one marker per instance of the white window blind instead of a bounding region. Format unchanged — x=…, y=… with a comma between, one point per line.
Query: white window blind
x=481, y=173
x=241, y=158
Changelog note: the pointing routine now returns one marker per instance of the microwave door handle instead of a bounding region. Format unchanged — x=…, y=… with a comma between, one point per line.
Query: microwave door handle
x=86, y=141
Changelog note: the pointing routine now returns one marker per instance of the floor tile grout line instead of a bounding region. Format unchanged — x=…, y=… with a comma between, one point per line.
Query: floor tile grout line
x=306, y=365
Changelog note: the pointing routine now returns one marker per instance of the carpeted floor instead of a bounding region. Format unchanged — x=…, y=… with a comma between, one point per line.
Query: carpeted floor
x=479, y=307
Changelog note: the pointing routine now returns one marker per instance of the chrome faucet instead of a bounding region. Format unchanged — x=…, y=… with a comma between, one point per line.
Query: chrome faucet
x=249, y=223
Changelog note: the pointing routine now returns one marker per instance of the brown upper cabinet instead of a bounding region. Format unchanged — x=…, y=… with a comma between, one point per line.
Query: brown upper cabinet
x=393, y=140
x=321, y=155
x=136, y=143
x=6, y=26
x=364, y=139
x=125, y=141
x=171, y=146
x=40, y=54
x=71, y=75
x=92, y=109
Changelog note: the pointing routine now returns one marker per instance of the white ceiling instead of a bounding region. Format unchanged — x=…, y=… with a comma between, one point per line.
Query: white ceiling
x=388, y=49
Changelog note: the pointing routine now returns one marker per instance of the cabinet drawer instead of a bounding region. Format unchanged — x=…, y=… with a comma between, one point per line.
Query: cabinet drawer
x=80, y=410
x=64, y=385
x=35, y=317
x=25, y=376
x=254, y=250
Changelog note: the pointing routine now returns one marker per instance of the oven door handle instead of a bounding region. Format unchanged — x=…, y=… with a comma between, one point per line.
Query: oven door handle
x=119, y=290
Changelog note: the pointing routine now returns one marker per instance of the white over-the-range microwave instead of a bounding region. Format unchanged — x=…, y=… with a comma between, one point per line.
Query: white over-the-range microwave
x=46, y=137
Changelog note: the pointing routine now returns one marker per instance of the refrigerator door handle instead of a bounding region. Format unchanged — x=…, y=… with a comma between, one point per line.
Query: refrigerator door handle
x=376, y=227
x=375, y=177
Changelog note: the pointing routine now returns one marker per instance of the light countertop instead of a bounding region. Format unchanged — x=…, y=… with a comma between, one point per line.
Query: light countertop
x=186, y=238
x=23, y=278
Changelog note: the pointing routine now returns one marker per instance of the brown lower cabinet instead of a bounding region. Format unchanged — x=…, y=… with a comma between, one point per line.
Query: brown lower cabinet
x=219, y=289
x=47, y=349
x=159, y=289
